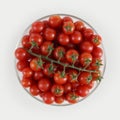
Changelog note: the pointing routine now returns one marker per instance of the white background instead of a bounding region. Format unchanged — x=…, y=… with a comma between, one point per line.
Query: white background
x=15, y=16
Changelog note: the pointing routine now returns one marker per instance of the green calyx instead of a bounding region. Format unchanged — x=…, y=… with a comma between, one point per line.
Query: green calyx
x=51, y=68
x=87, y=61
x=40, y=62
x=96, y=40
x=98, y=63
x=68, y=28
x=89, y=78
x=34, y=44
x=73, y=96
x=61, y=54
x=57, y=91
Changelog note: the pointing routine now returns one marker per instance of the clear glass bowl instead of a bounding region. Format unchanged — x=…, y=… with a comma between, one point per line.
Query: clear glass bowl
x=19, y=75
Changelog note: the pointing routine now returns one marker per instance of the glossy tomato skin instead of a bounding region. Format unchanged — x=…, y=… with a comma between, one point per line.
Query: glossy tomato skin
x=48, y=98
x=73, y=76
x=37, y=26
x=44, y=84
x=38, y=75
x=75, y=85
x=87, y=32
x=59, y=100
x=79, y=25
x=83, y=91
x=59, y=53
x=97, y=52
x=45, y=47
x=91, y=84
x=55, y=21
x=85, y=58
x=67, y=87
x=96, y=40
x=27, y=72
x=21, y=65
x=76, y=37
x=26, y=82
x=36, y=38
x=66, y=19
x=97, y=75
x=57, y=90
x=21, y=54
x=72, y=97
x=59, y=78
x=86, y=46
x=34, y=90
x=25, y=42
x=68, y=27
x=63, y=39
x=49, y=34
x=85, y=78
x=35, y=64
x=72, y=55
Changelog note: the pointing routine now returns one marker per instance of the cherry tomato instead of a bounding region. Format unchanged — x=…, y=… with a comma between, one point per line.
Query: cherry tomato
x=66, y=19
x=73, y=76
x=34, y=90
x=83, y=91
x=63, y=39
x=96, y=40
x=38, y=75
x=44, y=84
x=36, y=39
x=48, y=98
x=72, y=56
x=37, y=26
x=67, y=87
x=27, y=72
x=57, y=90
x=26, y=82
x=79, y=25
x=46, y=47
x=85, y=78
x=68, y=27
x=91, y=84
x=49, y=34
x=21, y=54
x=25, y=42
x=75, y=86
x=59, y=100
x=86, y=46
x=49, y=69
x=21, y=65
x=55, y=21
x=72, y=97
x=85, y=58
x=97, y=75
x=97, y=52
x=59, y=52
x=60, y=78
x=88, y=33
x=76, y=37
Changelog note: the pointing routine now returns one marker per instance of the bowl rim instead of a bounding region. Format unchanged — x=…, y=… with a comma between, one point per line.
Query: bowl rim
x=104, y=58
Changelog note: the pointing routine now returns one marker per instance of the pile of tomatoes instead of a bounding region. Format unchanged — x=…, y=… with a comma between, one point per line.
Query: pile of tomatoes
x=59, y=59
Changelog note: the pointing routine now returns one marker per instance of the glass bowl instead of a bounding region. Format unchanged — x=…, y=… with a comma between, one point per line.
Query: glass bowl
x=19, y=75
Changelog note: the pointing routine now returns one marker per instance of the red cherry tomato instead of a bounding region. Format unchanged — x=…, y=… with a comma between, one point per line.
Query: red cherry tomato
x=76, y=37
x=38, y=75
x=34, y=90
x=21, y=54
x=85, y=78
x=97, y=52
x=68, y=27
x=44, y=84
x=97, y=75
x=66, y=19
x=83, y=91
x=63, y=39
x=59, y=100
x=79, y=25
x=49, y=34
x=88, y=33
x=57, y=90
x=73, y=76
x=75, y=86
x=36, y=39
x=86, y=46
x=60, y=78
x=55, y=21
x=27, y=72
x=91, y=84
x=72, y=97
x=72, y=56
x=67, y=87
x=96, y=40
x=26, y=82
x=48, y=98
x=37, y=26
x=21, y=65
x=46, y=47
x=35, y=64
x=85, y=58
